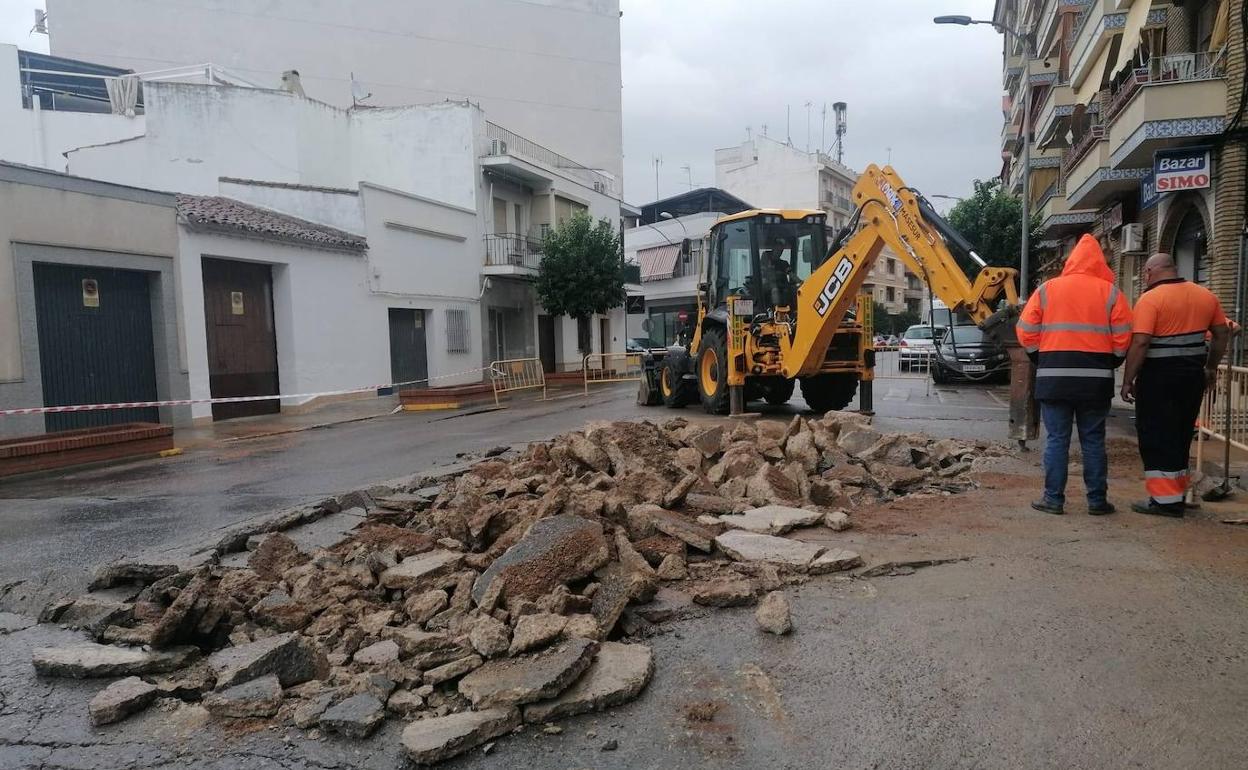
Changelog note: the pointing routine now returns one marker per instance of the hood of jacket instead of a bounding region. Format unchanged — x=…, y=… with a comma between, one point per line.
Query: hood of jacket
x=1088, y=259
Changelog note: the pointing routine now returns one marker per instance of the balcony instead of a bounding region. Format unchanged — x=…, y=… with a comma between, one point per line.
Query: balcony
x=1089, y=179
x=1167, y=103
x=1059, y=103
x=1096, y=29
x=510, y=254
x=1057, y=218
x=535, y=164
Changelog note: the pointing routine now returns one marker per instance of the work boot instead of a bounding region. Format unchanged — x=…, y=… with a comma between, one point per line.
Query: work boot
x=1101, y=509
x=1154, y=508
x=1045, y=506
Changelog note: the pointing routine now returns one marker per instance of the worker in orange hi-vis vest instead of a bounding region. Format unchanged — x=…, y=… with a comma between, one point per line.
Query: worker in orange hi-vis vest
x=1169, y=367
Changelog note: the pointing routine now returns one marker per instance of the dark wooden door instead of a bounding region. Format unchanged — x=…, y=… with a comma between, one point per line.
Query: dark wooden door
x=95, y=343
x=604, y=335
x=242, y=343
x=546, y=342
x=408, y=354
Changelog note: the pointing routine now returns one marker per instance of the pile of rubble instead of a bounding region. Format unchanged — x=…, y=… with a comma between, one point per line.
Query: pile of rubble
x=494, y=597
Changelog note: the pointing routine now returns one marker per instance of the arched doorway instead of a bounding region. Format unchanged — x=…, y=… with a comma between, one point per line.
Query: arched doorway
x=1191, y=245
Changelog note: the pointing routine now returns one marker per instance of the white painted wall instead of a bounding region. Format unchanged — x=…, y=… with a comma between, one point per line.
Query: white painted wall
x=339, y=208
x=547, y=69
x=769, y=174
x=40, y=137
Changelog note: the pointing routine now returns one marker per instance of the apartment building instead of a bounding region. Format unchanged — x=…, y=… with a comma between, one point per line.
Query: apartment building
x=547, y=69
x=1131, y=102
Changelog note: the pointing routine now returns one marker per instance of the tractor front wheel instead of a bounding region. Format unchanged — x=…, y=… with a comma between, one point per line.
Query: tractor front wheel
x=713, y=371
x=829, y=392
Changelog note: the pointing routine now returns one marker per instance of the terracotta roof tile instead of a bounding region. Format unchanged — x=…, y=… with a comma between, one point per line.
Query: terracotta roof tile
x=216, y=212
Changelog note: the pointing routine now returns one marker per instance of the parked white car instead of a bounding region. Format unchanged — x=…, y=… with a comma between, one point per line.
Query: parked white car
x=917, y=346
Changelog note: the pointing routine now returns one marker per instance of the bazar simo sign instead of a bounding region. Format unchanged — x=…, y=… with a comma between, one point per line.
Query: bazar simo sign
x=1176, y=170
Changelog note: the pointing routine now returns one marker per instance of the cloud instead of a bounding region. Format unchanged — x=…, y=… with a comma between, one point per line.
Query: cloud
x=697, y=74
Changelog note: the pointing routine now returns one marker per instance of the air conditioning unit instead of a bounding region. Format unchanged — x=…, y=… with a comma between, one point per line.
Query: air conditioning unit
x=1133, y=238
x=498, y=147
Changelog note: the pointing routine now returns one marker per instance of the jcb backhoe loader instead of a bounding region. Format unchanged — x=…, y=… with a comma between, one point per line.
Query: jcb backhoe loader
x=779, y=306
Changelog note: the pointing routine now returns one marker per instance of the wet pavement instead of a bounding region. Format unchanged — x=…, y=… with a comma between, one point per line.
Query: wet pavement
x=1070, y=641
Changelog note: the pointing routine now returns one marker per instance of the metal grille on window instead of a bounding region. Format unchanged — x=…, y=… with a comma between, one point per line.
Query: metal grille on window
x=457, y=331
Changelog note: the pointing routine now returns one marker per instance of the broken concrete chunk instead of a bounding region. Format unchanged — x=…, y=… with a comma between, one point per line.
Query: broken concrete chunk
x=582, y=626
x=534, y=631
x=378, y=654
x=588, y=453
x=828, y=493
x=676, y=495
x=528, y=678
x=423, y=606
x=279, y=611
x=773, y=519
x=618, y=586
x=405, y=703
x=429, y=741
x=835, y=560
x=91, y=612
x=453, y=670
x=618, y=674
x=413, y=641
x=308, y=713
x=714, y=503
x=417, y=571
x=672, y=568
x=131, y=573
x=555, y=551
x=773, y=615
x=725, y=593
x=896, y=477
x=275, y=554
x=188, y=684
x=858, y=440
x=292, y=659
x=87, y=661
x=749, y=546
x=837, y=521
x=801, y=449
x=708, y=441
x=258, y=698
x=355, y=717
x=489, y=637
x=770, y=484
x=120, y=699
x=677, y=526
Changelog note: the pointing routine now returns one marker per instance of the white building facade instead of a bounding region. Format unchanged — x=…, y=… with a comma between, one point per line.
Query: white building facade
x=547, y=69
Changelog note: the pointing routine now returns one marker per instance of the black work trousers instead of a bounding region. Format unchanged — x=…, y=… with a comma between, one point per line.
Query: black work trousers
x=1167, y=403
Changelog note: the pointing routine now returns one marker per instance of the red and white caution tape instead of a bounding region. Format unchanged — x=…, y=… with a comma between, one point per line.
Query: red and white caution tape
x=232, y=399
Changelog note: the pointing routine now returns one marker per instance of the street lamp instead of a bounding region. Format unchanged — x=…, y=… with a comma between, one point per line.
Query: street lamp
x=668, y=215
x=1029, y=43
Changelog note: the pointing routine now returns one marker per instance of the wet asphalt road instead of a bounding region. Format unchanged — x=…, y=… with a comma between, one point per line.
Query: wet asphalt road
x=1069, y=642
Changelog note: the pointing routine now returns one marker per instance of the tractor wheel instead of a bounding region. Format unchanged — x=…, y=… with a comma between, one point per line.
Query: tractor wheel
x=713, y=372
x=829, y=392
x=778, y=391
x=673, y=389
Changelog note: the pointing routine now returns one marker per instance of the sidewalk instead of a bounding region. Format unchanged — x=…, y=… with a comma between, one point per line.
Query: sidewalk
x=275, y=424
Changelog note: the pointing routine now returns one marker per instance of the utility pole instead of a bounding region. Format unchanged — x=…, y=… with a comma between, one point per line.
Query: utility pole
x=823, y=127
x=808, y=127
x=657, y=162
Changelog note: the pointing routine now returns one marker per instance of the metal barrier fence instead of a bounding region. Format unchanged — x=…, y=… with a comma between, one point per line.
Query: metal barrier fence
x=517, y=374
x=611, y=367
x=900, y=363
x=1224, y=414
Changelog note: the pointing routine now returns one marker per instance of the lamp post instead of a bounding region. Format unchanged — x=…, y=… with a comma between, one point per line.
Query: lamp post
x=1029, y=44
x=668, y=215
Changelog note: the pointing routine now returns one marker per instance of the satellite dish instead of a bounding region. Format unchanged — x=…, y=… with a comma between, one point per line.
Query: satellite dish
x=358, y=91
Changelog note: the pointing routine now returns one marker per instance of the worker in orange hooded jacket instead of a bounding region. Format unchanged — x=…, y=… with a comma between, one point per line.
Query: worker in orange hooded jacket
x=1076, y=328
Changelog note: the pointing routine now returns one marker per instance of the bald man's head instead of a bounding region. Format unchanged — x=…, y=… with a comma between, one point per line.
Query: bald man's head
x=1159, y=267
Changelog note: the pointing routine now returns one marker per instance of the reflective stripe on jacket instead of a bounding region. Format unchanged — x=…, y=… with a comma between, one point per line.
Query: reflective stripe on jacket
x=1079, y=327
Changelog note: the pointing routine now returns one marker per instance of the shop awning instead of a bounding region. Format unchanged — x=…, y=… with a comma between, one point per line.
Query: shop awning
x=659, y=262
x=1137, y=17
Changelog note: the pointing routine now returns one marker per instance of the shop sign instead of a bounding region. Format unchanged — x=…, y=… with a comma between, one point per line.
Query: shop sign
x=1148, y=192
x=1186, y=169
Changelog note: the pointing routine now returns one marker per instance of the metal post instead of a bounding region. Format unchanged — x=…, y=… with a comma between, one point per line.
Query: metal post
x=736, y=400
x=866, y=400
x=1023, y=273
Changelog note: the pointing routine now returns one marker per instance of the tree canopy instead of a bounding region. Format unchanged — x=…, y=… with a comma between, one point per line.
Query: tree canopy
x=891, y=323
x=991, y=220
x=582, y=268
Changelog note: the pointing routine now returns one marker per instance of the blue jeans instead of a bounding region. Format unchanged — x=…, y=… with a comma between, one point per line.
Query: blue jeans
x=1090, y=418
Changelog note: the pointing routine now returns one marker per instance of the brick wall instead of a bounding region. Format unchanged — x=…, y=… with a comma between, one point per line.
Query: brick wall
x=1229, y=184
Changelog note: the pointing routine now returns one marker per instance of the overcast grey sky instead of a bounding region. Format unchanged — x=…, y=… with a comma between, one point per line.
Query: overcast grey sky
x=698, y=72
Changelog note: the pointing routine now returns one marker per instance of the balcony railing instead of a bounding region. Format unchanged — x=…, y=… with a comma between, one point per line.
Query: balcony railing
x=504, y=142
x=1171, y=68
x=1094, y=134
x=510, y=249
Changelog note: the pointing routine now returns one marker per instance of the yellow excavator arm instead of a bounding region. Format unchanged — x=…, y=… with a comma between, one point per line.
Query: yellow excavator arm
x=891, y=215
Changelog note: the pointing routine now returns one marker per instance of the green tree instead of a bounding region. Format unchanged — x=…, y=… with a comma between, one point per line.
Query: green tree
x=991, y=220
x=892, y=323
x=582, y=271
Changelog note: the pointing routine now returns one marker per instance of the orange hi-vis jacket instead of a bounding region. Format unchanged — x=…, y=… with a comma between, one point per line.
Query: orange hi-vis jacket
x=1077, y=327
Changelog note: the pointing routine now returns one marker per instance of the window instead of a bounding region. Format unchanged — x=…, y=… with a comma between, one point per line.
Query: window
x=891, y=294
x=582, y=336
x=918, y=333
x=892, y=267
x=457, y=331
x=736, y=268
x=1202, y=19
